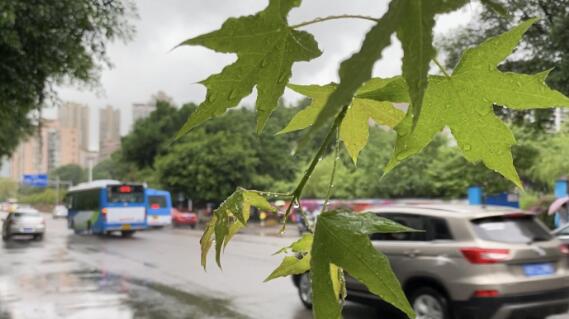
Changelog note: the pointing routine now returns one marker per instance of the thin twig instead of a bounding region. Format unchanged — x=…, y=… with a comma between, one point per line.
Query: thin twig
x=343, y=16
x=441, y=67
x=317, y=157
x=331, y=185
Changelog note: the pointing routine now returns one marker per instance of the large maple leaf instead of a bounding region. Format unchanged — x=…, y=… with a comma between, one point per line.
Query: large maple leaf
x=413, y=21
x=354, y=129
x=266, y=49
x=464, y=102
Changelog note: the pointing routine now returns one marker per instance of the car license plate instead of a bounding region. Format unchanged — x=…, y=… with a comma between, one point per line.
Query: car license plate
x=532, y=270
x=126, y=227
x=28, y=230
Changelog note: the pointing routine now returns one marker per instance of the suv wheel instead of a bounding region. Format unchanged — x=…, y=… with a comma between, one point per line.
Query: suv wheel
x=428, y=303
x=305, y=290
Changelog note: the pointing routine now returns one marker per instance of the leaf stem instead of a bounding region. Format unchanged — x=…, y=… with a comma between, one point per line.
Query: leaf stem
x=333, y=174
x=336, y=17
x=317, y=157
x=441, y=67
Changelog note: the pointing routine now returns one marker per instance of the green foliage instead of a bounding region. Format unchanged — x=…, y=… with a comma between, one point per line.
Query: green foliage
x=296, y=264
x=412, y=20
x=266, y=48
x=231, y=216
x=354, y=126
x=464, y=103
x=545, y=47
x=44, y=43
x=553, y=159
x=342, y=239
x=45, y=196
x=151, y=136
x=70, y=173
x=212, y=160
x=8, y=189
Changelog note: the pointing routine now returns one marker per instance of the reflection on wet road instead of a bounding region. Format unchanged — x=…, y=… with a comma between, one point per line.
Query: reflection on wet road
x=156, y=274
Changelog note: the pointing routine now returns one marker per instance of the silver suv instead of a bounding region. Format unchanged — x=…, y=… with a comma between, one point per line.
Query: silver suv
x=471, y=262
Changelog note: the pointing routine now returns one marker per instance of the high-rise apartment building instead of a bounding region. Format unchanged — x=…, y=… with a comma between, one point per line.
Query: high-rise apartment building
x=109, y=131
x=76, y=116
x=59, y=142
x=55, y=146
x=142, y=110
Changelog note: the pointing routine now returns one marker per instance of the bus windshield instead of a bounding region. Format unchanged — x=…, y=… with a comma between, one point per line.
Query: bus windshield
x=156, y=202
x=125, y=194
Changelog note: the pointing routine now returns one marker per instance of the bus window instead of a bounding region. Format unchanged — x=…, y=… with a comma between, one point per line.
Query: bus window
x=156, y=202
x=125, y=194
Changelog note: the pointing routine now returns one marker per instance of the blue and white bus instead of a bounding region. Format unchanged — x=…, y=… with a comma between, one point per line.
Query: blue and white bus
x=105, y=206
x=158, y=207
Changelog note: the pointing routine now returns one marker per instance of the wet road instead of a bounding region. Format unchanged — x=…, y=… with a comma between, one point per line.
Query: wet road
x=155, y=274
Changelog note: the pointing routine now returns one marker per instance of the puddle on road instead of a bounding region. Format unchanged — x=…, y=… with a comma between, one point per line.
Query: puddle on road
x=96, y=295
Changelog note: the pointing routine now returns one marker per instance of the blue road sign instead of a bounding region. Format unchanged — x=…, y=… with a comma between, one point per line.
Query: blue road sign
x=35, y=180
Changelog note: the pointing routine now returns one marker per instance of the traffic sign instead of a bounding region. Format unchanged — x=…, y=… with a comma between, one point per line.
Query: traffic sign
x=35, y=180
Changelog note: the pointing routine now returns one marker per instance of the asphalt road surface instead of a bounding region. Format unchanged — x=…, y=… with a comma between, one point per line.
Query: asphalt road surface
x=155, y=274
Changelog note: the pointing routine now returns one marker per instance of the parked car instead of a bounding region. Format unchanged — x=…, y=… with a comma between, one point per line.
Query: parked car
x=471, y=262
x=59, y=211
x=182, y=218
x=24, y=221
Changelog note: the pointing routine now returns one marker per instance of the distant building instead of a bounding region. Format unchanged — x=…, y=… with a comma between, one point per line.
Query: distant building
x=142, y=110
x=109, y=132
x=60, y=142
x=76, y=116
x=53, y=147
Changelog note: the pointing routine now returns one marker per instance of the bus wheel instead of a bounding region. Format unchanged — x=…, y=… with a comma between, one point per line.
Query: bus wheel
x=127, y=233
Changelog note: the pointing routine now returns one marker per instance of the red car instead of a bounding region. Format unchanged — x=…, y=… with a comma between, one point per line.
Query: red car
x=181, y=218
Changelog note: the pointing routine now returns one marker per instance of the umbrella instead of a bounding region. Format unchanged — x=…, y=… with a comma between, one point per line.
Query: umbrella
x=557, y=204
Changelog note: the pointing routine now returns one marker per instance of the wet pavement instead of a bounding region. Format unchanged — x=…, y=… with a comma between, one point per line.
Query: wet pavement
x=155, y=274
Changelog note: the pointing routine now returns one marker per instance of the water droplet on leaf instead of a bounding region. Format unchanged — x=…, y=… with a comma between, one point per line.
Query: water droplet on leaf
x=233, y=94
x=467, y=147
x=283, y=78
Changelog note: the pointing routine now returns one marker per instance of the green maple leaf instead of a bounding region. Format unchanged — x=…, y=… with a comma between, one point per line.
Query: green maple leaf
x=298, y=263
x=266, y=49
x=413, y=21
x=464, y=103
x=341, y=239
x=354, y=129
x=228, y=219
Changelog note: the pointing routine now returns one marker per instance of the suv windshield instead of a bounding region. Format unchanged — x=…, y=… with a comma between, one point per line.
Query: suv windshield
x=125, y=194
x=510, y=229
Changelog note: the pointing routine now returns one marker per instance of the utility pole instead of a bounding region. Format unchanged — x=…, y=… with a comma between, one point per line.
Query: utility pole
x=90, y=169
x=57, y=181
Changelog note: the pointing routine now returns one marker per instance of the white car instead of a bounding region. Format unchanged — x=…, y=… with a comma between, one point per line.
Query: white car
x=24, y=221
x=59, y=211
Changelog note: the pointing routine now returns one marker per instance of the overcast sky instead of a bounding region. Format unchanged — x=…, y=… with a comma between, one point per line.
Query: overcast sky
x=145, y=65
